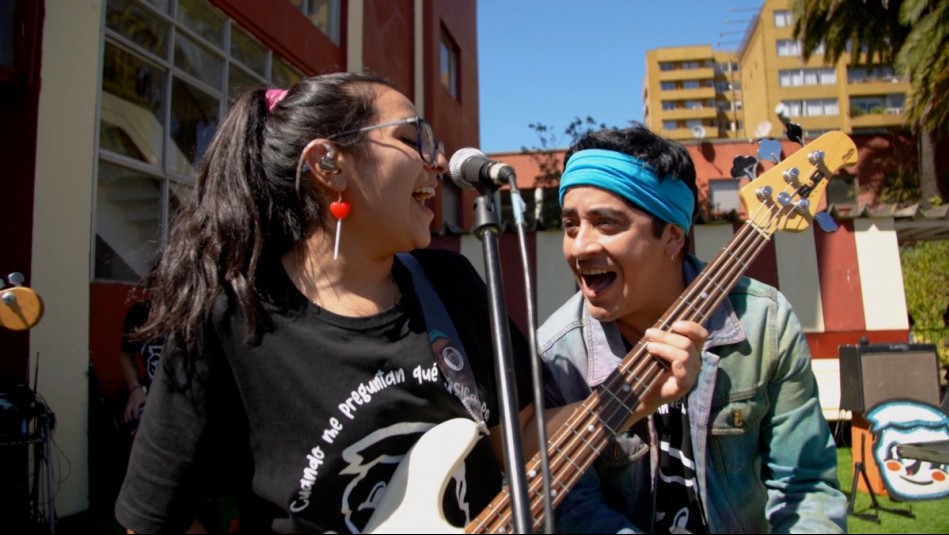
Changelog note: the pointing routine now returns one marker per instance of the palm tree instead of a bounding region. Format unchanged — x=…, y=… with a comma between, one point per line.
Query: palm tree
x=913, y=35
x=924, y=58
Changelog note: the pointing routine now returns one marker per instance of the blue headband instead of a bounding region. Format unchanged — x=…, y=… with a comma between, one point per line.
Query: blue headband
x=669, y=199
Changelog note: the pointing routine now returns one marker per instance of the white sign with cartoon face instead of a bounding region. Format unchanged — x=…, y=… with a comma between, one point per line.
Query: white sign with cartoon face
x=900, y=422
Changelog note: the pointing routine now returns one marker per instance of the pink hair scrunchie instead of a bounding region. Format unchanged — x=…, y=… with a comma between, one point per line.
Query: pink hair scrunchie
x=273, y=96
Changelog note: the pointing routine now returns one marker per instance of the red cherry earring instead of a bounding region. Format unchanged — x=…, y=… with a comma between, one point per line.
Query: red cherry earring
x=340, y=210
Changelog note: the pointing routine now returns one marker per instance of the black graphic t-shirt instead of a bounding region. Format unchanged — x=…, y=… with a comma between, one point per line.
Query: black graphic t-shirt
x=677, y=504
x=150, y=350
x=311, y=420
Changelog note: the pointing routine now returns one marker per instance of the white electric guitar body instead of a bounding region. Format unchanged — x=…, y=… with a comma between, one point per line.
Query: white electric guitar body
x=412, y=502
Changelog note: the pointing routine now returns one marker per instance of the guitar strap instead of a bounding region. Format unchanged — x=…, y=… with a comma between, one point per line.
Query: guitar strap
x=446, y=344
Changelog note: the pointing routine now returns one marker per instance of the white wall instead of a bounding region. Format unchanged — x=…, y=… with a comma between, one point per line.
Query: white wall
x=798, y=277
x=61, y=234
x=710, y=239
x=555, y=282
x=881, y=275
x=827, y=373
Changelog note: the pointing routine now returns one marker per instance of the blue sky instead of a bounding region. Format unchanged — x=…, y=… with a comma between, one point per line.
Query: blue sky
x=549, y=61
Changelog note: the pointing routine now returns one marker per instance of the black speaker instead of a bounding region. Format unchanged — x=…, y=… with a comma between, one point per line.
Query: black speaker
x=873, y=373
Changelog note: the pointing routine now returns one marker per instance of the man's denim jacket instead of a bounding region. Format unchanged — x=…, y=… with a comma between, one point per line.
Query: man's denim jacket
x=765, y=458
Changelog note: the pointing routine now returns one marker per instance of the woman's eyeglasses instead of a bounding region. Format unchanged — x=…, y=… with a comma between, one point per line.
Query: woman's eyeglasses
x=425, y=143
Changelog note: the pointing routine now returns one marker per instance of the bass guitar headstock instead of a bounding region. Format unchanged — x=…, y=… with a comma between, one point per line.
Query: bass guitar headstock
x=786, y=197
x=21, y=308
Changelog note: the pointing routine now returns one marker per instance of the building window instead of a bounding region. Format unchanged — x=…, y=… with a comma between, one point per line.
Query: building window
x=876, y=73
x=802, y=77
x=723, y=196
x=670, y=125
x=782, y=18
x=691, y=84
x=789, y=47
x=448, y=64
x=669, y=105
x=820, y=107
x=826, y=76
x=667, y=86
x=666, y=66
x=812, y=107
x=166, y=83
x=726, y=68
x=324, y=14
x=791, y=78
x=879, y=104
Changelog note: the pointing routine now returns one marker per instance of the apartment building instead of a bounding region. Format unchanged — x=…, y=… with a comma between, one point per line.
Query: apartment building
x=692, y=92
x=697, y=92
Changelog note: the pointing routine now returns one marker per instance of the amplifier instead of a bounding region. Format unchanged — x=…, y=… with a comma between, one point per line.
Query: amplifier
x=873, y=373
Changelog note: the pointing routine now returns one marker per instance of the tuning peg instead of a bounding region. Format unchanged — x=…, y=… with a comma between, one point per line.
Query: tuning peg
x=744, y=166
x=8, y=297
x=764, y=193
x=794, y=132
x=791, y=175
x=802, y=206
x=825, y=221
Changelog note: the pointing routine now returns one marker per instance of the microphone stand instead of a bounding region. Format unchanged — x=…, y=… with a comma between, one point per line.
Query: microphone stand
x=487, y=227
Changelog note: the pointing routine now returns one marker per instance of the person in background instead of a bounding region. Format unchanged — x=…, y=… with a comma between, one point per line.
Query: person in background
x=131, y=353
x=303, y=361
x=748, y=449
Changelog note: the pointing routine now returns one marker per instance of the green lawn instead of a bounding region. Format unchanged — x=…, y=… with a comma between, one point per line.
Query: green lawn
x=931, y=516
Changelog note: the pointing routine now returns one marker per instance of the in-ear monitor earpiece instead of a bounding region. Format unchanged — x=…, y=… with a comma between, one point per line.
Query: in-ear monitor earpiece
x=328, y=163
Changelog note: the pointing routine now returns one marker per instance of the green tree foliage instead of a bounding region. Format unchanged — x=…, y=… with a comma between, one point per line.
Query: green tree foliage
x=913, y=36
x=924, y=58
x=551, y=144
x=871, y=27
x=926, y=284
x=544, y=208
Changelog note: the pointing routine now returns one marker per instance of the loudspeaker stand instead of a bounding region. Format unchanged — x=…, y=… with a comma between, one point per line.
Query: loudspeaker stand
x=859, y=470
